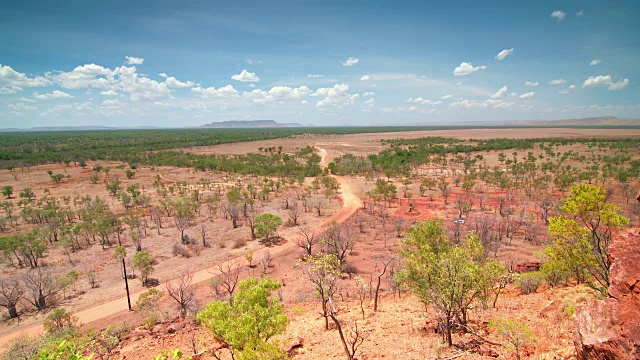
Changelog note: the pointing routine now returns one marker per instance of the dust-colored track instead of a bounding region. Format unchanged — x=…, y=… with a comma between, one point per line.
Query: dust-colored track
x=350, y=204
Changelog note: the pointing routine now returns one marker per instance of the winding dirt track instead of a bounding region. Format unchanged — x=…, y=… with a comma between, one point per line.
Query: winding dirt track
x=350, y=204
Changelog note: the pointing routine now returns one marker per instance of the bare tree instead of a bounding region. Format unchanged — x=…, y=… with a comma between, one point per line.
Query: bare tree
x=545, y=204
x=40, y=285
x=308, y=239
x=265, y=261
x=156, y=216
x=203, y=234
x=318, y=203
x=338, y=240
x=229, y=274
x=385, y=265
x=294, y=211
x=233, y=212
x=182, y=291
x=10, y=294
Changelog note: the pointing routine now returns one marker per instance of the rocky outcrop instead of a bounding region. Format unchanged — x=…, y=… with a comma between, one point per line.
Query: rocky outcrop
x=610, y=328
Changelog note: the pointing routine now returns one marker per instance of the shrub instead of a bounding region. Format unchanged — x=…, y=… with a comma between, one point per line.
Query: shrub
x=239, y=242
x=517, y=334
x=150, y=321
x=59, y=319
x=529, y=282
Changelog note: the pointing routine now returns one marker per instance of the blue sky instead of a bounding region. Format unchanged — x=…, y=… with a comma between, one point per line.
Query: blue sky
x=187, y=63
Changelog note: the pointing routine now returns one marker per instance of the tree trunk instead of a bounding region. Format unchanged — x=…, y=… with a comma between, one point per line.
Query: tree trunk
x=13, y=313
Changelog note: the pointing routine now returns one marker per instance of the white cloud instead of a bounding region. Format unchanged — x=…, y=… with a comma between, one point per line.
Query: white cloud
x=351, y=61
x=21, y=107
x=466, y=68
x=572, y=87
x=531, y=83
x=558, y=14
x=500, y=93
x=12, y=81
x=365, y=78
x=557, y=82
x=108, y=93
x=249, y=61
x=53, y=95
x=113, y=102
x=605, y=80
x=420, y=100
x=56, y=110
x=277, y=93
x=246, y=76
x=336, y=96
x=528, y=95
x=164, y=75
x=563, y=91
x=315, y=75
x=445, y=97
x=595, y=62
x=504, y=53
x=88, y=75
x=580, y=13
x=212, y=92
x=132, y=60
x=175, y=83
x=140, y=87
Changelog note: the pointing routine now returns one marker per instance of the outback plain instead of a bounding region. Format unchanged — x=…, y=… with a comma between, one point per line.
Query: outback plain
x=455, y=243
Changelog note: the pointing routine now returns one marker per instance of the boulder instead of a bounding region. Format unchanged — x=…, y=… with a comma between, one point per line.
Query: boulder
x=610, y=328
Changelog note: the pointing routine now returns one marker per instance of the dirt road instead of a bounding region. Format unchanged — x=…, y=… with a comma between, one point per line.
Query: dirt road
x=350, y=204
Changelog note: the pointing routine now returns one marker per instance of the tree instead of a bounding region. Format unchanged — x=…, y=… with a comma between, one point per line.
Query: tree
x=142, y=262
x=443, y=274
x=184, y=214
x=10, y=294
x=182, y=291
x=338, y=240
x=27, y=194
x=247, y=325
x=7, y=191
x=58, y=320
x=324, y=272
x=295, y=211
x=517, y=334
x=583, y=235
x=308, y=239
x=267, y=225
x=40, y=285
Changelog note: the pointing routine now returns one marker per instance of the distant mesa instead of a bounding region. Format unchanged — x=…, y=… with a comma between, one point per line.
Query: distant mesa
x=234, y=124
x=592, y=121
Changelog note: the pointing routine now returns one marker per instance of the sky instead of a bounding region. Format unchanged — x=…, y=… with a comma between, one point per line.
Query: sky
x=188, y=63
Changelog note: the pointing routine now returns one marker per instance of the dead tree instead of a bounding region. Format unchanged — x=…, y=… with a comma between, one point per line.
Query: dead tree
x=229, y=274
x=385, y=264
x=294, y=212
x=308, y=238
x=338, y=240
x=182, y=291
x=40, y=285
x=545, y=205
x=10, y=294
x=265, y=261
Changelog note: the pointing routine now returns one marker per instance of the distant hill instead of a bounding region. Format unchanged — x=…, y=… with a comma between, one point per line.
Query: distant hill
x=593, y=121
x=76, y=128
x=234, y=124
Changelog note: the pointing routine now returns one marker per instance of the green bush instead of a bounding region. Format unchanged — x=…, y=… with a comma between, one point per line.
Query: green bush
x=529, y=282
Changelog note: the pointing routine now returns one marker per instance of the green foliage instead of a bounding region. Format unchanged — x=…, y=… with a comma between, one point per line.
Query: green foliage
x=142, y=262
x=170, y=355
x=64, y=350
x=59, y=319
x=249, y=323
x=517, y=334
x=450, y=277
x=266, y=225
x=148, y=300
x=583, y=235
x=529, y=282
x=7, y=191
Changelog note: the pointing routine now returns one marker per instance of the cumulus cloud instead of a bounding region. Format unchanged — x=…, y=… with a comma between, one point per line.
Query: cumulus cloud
x=559, y=15
x=55, y=94
x=88, y=75
x=504, y=53
x=572, y=87
x=351, y=61
x=132, y=60
x=420, y=100
x=490, y=103
x=595, y=62
x=277, y=93
x=108, y=93
x=445, y=97
x=531, y=83
x=466, y=68
x=605, y=80
x=212, y=92
x=557, y=82
x=114, y=102
x=365, y=78
x=140, y=87
x=12, y=81
x=336, y=96
x=175, y=83
x=246, y=76
x=21, y=107
x=500, y=93
x=528, y=95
